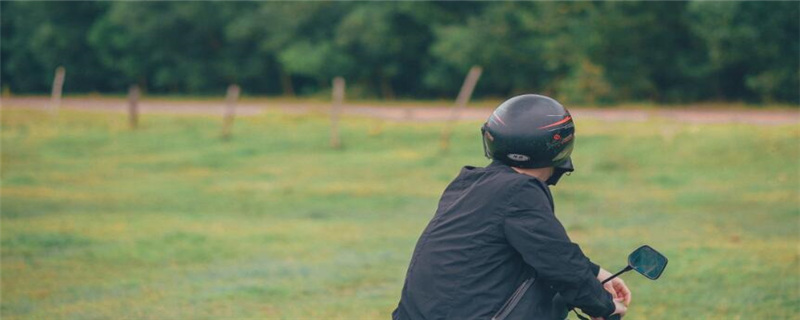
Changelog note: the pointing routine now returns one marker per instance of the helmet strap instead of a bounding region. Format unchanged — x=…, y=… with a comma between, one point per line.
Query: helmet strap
x=557, y=173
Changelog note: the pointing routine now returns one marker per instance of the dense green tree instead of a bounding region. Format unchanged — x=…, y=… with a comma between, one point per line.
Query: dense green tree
x=386, y=39
x=496, y=39
x=580, y=52
x=753, y=49
x=566, y=33
x=171, y=46
x=648, y=52
x=297, y=39
x=37, y=37
x=525, y=47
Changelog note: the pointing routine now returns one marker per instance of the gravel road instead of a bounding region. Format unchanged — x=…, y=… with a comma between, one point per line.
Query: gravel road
x=405, y=113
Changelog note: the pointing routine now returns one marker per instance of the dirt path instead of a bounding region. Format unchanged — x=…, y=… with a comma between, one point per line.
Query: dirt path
x=404, y=113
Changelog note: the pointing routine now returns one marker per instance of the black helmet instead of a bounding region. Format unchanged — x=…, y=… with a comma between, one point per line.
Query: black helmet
x=531, y=131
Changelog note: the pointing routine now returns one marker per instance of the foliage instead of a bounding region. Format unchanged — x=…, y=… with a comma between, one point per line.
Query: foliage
x=37, y=37
x=581, y=52
x=758, y=45
x=171, y=222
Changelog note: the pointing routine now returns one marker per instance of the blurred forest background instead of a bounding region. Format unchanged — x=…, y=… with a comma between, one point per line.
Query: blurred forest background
x=162, y=217
x=579, y=52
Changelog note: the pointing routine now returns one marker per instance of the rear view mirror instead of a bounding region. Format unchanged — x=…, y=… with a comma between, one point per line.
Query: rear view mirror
x=647, y=261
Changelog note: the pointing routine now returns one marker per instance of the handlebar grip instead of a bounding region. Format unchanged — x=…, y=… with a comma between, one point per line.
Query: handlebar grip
x=614, y=317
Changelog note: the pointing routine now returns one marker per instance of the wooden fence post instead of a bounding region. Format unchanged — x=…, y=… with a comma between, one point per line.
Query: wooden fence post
x=230, y=110
x=58, y=85
x=133, y=106
x=338, y=98
x=461, y=102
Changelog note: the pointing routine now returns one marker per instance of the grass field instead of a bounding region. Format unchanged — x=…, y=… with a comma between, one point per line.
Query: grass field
x=169, y=222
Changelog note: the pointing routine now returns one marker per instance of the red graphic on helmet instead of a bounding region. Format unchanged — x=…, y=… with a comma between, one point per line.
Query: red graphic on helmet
x=498, y=119
x=562, y=121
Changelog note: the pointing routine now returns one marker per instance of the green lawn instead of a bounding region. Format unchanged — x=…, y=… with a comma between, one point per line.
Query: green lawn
x=170, y=222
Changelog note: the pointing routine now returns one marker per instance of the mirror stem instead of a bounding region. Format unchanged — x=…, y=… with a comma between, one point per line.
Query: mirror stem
x=628, y=268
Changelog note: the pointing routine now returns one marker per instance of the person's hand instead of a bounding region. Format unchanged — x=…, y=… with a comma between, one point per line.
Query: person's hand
x=620, y=309
x=616, y=287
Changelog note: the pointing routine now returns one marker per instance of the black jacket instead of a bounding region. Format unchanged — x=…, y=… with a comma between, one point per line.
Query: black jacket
x=495, y=228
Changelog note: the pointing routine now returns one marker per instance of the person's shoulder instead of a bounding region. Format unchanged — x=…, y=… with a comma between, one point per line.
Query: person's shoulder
x=532, y=183
x=506, y=178
x=492, y=169
x=531, y=193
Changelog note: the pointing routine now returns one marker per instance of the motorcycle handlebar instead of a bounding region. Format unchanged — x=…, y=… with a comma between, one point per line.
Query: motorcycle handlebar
x=561, y=309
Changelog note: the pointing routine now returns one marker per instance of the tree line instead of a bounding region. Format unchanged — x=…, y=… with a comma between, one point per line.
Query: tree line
x=580, y=52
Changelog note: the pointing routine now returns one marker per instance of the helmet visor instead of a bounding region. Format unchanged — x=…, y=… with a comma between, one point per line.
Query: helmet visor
x=559, y=170
x=565, y=166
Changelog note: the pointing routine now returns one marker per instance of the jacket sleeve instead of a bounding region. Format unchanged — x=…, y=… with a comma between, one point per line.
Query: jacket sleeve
x=533, y=230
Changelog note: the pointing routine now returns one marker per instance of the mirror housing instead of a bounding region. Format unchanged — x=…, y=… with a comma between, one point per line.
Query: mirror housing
x=648, y=262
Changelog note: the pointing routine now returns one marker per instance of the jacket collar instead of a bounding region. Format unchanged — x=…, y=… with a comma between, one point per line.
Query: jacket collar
x=497, y=165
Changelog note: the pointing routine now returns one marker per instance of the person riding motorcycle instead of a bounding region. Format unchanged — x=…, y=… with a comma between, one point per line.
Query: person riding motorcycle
x=495, y=228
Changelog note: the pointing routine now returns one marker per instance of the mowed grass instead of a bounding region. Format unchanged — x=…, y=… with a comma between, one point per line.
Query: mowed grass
x=170, y=222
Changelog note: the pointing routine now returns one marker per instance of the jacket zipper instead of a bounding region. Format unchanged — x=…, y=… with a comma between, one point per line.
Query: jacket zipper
x=512, y=301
